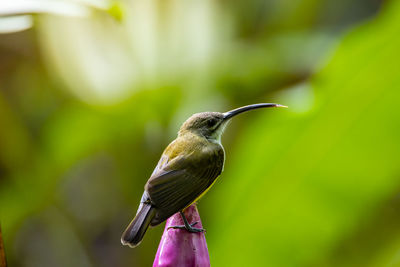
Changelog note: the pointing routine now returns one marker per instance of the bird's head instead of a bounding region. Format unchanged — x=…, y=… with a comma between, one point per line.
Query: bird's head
x=211, y=125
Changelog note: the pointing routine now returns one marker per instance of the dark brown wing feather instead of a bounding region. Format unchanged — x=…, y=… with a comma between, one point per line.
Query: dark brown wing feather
x=175, y=184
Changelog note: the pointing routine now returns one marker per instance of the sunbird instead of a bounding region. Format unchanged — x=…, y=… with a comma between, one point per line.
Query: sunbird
x=188, y=167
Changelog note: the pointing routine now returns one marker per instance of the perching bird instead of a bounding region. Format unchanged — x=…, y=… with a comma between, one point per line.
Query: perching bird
x=188, y=167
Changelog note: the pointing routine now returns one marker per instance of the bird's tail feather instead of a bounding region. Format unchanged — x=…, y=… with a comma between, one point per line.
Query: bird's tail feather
x=134, y=233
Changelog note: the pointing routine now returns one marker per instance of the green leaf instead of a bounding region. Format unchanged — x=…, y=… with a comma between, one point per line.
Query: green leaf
x=292, y=202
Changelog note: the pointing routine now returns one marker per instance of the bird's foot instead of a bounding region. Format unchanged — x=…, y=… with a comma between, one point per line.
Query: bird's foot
x=190, y=229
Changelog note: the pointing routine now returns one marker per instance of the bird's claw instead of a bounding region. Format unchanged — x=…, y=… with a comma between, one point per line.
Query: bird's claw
x=190, y=229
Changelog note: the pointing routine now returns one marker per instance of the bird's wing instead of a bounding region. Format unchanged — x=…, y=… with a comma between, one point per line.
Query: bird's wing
x=177, y=183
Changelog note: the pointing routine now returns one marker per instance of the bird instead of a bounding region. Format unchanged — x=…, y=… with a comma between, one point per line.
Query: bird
x=188, y=167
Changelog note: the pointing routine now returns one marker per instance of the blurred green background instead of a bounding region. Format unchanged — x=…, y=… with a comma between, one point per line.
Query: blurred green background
x=91, y=92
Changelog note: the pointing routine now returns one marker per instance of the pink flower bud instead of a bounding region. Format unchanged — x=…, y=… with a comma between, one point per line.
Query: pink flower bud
x=179, y=247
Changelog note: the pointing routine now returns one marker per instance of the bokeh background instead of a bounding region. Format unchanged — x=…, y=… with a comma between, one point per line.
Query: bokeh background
x=92, y=91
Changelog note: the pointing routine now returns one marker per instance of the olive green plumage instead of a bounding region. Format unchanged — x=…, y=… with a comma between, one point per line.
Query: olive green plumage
x=187, y=168
x=183, y=174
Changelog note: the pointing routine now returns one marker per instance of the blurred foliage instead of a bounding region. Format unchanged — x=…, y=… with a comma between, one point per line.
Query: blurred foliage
x=88, y=101
x=315, y=188
x=3, y=261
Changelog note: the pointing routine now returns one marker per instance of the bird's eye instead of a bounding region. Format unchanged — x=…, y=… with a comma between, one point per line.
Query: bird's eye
x=211, y=122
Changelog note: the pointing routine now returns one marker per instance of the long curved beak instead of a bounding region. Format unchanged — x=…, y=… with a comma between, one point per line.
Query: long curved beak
x=230, y=114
